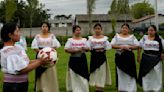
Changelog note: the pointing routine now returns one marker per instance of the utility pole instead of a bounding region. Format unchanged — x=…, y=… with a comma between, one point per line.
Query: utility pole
x=156, y=14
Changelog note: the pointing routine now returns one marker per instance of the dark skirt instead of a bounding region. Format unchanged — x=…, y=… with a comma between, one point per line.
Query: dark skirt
x=147, y=64
x=97, y=59
x=126, y=62
x=38, y=72
x=15, y=87
x=79, y=65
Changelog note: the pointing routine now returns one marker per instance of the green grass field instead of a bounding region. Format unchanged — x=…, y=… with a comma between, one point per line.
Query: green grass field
x=62, y=66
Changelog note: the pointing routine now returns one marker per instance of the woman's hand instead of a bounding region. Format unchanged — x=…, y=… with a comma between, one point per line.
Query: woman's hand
x=100, y=50
x=133, y=47
x=139, y=55
x=124, y=48
x=36, y=50
x=85, y=49
x=74, y=50
x=138, y=59
x=79, y=50
x=45, y=60
x=162, y=57
x=128, y=47
x=34, y=64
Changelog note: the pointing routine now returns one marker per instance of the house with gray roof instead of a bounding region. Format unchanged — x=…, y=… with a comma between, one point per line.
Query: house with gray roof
x=104, y=19
x=148, y=20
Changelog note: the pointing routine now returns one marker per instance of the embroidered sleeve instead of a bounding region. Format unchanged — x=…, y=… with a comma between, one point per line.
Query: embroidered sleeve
x=55, y=42
x=15, y=64
x=107, y=44
x=113, y=42
x=34, y=44
x=136, y=42
x=68, y=44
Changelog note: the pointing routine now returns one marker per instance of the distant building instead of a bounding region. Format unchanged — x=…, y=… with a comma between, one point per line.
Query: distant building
x=104, y=19
x=61, y=21
x=148, y=20
x=62, y=26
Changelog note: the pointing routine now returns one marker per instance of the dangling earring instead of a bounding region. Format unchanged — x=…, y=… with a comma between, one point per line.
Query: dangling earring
x=11, y=40
x=10, y=37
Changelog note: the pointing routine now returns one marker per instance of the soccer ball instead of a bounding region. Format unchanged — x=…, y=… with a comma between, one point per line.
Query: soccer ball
x=50, y=53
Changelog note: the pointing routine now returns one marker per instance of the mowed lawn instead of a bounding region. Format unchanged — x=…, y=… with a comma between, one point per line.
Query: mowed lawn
x=62, y=68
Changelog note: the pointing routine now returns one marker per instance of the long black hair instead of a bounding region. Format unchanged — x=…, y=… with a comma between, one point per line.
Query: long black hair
x=157, y=38
x=5, y=31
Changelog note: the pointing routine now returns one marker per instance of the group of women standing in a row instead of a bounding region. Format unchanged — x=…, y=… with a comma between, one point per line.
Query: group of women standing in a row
x=16, y=64
x=78, y=76
x=150, y=72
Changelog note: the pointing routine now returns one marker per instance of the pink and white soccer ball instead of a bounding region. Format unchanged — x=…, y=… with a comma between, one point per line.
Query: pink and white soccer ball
x=50, y=53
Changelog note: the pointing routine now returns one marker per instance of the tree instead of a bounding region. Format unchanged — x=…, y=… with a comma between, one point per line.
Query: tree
x=32, y=5
x=22, y=14
x=2, y=13
x=10, y=9
x=90, y=9
x=123, y=7
x=114, y=11
x=113, y=7
x=40, y=15
x=141, y=9
x=118, y=7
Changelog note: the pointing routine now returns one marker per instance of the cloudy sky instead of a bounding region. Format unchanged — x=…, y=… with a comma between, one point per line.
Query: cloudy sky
x=79, y=6
x=75, y=6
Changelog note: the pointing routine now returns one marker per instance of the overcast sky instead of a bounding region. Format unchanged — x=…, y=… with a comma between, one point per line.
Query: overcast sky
x=75, y=6
x=79, y=6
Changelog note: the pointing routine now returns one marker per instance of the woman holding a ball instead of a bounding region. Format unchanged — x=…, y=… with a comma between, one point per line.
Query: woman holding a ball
x=77, y=75
x=15, y=63
x=46, y=77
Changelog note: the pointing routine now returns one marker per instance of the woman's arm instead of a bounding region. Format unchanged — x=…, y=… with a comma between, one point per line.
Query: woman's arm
x=73, y=51
x=120, y=47
x=36, y=50
x=33, y=65
x=86, y=49
x=139, y=55
x=133, y=47
x=162, y=56
x=116, y=47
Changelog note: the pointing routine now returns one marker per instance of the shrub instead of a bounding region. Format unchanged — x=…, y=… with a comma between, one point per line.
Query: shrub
x=111, y=35
x=138, y=35
x=161, y=33
x=29, y=40
x=62, y=39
